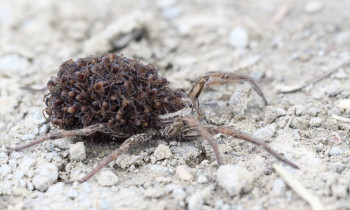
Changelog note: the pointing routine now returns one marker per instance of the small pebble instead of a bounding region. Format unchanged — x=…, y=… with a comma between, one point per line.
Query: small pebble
x=304, y=56
x=344, y=105
x=339, y=167
x=5, y=170
x=202, y=179
x=3, y=158
x=334, y=89
x=234, y=179
x=299, y=110
x=334, y=111
x=279, y=187
x=44, y=129
x=300, y=123
x=265, y=132
x=270, y=114
x=312, y=111
x=107, y=178
x=47, y=174
x=319, y=147
x=56, y=188
x=27, y=164
x=184, y=173
x=77, y=151
x=72, y=193
x=39, y=118
x=313, y=7
x=195, y=201
x=162, y=152
x=153, y=192
x=315, y=122
x=239, y=38
x=337, y=150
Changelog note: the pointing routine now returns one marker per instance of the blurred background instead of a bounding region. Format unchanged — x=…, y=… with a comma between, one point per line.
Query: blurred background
x=276, y=42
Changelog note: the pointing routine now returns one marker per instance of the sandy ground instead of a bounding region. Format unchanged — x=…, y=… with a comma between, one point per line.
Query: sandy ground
x=275, y=42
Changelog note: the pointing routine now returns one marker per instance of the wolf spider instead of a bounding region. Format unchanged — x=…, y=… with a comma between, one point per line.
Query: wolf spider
x=183, y=123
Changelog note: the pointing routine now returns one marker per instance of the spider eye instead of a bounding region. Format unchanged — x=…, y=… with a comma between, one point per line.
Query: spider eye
x=190, y=105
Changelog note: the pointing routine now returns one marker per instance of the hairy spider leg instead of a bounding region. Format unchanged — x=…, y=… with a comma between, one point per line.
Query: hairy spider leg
x=62, y=134
x=203, y=132
x=241, y=135
x=216, y=77
x=135, y=139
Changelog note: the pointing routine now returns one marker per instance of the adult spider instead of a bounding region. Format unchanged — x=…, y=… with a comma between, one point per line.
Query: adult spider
x=127, y=100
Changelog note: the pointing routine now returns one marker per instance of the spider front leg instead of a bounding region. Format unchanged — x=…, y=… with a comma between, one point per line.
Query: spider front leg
x=241, y=135
x=133, y=140
x=217, y=77
x=61, y=134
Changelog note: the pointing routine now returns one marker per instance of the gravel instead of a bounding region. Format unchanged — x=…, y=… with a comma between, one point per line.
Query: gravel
x=77, y=151
x=46, y=175
x=161, y=152
x=234, y=179
x=107, y=178
x=184, y=173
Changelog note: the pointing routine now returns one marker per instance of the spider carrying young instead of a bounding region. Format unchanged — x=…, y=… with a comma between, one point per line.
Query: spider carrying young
x=124, y=99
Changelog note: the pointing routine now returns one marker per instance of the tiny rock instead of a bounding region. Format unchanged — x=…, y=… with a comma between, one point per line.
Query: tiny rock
x=184, y=173
x=266, y=132
x=3, y=158
x=313, y=7
x=344, y=104
x=162, y=152
x=195, y=201
x=77, y=151
x=46, y=175
x=39, y=118
x=315, y=122
x=107, y=178
x=239, y=38
x=27, y=164
x=235, y=180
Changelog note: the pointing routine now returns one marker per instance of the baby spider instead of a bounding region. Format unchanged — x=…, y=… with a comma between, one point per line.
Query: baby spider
x=127, y=100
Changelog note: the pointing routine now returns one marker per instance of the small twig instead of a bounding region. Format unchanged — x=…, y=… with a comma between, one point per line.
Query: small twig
x=336, y=117
x=291, y=119
x=278, y=17
x=332, y=69
x=299, y=189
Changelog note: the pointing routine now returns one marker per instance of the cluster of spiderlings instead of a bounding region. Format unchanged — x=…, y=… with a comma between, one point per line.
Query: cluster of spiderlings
x=120, y=92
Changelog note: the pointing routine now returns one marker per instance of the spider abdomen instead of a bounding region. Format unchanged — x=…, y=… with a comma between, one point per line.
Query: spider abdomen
x=123, y=93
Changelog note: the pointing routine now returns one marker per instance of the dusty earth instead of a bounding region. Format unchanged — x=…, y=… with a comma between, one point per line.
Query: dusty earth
x=275, y=42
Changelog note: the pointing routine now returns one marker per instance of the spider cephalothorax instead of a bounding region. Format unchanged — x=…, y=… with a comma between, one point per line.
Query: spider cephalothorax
x=123, y=98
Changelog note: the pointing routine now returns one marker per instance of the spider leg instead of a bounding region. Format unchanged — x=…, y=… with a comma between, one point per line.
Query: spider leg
x=203, y=132
x=231, y=132
x=62, y=134
x=217, y=77
x=133, y=140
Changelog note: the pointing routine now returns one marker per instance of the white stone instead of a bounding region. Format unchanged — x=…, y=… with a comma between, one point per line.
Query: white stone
x=265, y=132
x=77, y=151
x=27, y=164
x=106, y=178
x=315, y=122
x=239, y=38
x=162, y=152
x=47, y=174
x=184, y=173
x=313, y=6
x=235, y=180
x=3, y=158
x=195, y=201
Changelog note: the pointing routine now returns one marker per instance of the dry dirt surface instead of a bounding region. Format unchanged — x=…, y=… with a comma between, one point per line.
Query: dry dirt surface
x=282, y=44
